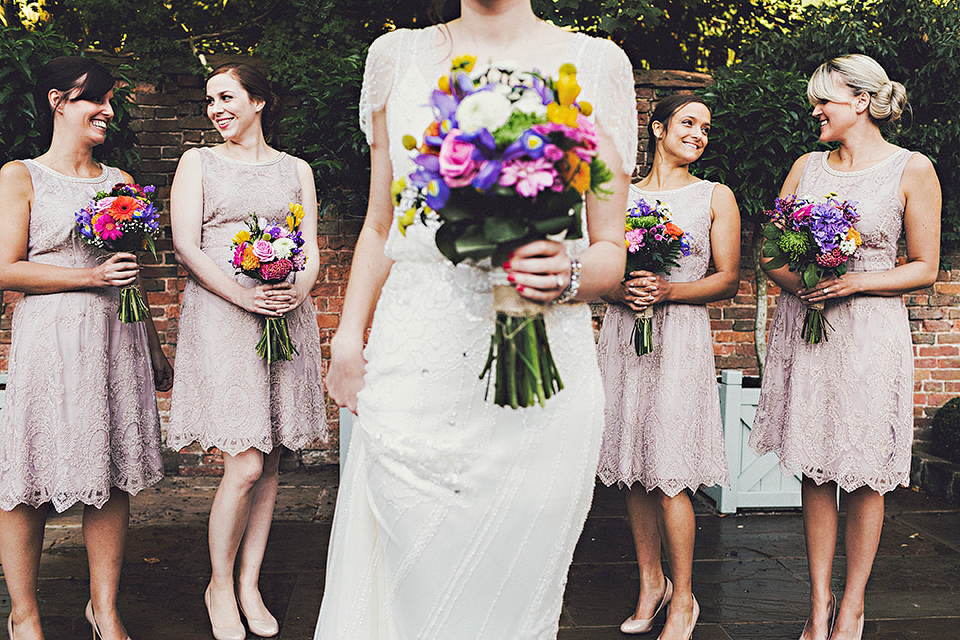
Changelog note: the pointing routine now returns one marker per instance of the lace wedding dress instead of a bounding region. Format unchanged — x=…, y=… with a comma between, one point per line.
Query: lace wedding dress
x=457, y=518
x=663, y=425
x=80, y=412
x=842, y=410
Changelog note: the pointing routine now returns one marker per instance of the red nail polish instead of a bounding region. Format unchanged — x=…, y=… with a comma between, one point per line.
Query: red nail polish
x=506, y=265
x=511, y=278
x=519, y=288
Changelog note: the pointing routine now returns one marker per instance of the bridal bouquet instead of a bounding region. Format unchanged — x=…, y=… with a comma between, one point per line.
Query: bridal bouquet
x=122, y=219
x=816, y=238
x=269, y=253
x=653, y=244
x=506, y=160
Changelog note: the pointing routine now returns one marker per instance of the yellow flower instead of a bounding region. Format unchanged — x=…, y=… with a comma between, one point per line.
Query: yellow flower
x=854, y=235
x=405, y=220
x=242, y=236
x=560, y=114
x=396, y=188
x=464, y=62
x=444, y=84
x=567, y=87
x=296, y=217
x=586, y=108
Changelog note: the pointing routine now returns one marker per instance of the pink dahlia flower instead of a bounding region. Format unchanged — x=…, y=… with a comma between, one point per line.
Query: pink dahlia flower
x=237, y=261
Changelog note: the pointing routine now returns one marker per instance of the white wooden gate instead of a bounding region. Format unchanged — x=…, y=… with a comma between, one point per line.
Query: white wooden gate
x=754, y=482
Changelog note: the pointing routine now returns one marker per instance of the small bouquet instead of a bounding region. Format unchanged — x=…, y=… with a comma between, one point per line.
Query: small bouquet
x=123, y=219
x=506, y=160
x=653, y=244
x=268, y=252
x=816, y=239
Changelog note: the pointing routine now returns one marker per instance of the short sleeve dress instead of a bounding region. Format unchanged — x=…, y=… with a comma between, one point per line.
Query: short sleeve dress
x=224, y=394
x=662, y=418
x=842, y=410
x=80, y=412
x=457, y=518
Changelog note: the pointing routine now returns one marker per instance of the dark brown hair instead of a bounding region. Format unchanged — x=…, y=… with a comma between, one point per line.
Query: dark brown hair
x=255, y=83
x=664, y=111
x=88, y=78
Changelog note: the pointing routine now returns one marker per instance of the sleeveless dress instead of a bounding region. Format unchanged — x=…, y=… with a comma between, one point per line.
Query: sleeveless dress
x=663, y=425
x=842, y=410
x=224, y=394
x=80, y=412
x=457, y=518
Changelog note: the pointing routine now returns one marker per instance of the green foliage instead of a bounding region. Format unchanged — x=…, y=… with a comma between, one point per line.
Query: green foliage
x=760, y=125
x=918, y=44
x=22, y=53
x=675, y=34
x=945, y=431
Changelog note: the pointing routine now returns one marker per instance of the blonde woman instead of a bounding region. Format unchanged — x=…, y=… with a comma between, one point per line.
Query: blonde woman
x=841, y=411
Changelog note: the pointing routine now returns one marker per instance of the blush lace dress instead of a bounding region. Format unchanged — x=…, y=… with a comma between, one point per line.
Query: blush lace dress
x=224, y=394
x=663, y=426
x=457, y=518
x=842, y=410
x=80, y=413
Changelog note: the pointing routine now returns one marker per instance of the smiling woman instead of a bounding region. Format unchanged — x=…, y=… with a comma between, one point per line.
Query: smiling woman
x=225, y=395
x=72, y=441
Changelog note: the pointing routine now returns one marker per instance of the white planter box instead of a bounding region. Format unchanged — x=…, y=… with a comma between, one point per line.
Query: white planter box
x=754, y=482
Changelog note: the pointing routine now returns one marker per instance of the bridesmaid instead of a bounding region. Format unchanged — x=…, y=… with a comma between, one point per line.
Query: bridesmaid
x=79, y=422
x=841, y=412
x=225, y=395
x=663, y=433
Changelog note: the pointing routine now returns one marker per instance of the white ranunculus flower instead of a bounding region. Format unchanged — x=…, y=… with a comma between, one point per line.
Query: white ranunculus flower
x=848, y=246
x=666, y=214
x=484, y=109
x=283, y=247
x=530, y=102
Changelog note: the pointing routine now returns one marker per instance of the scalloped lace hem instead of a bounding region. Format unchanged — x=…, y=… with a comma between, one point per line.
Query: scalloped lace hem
x=670, y=486
x=94, y=498
x=293, y=442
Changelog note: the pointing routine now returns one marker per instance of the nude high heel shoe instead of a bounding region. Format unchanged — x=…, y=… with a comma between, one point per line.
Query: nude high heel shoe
x=832, y=618
x=10, y=626
x=693, y=621
x=263, y=628
x=88, y=614
x=642, y=625
x=223, y=633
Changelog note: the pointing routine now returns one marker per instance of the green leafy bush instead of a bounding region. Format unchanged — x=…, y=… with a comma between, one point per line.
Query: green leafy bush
x=918, y=44
x=945, y=437
x=22, y=53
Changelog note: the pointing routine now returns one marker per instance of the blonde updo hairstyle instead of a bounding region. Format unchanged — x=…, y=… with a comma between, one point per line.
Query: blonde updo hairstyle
x=862, y=74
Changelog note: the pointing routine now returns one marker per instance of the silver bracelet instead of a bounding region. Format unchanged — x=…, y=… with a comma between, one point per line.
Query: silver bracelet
x=570, y=292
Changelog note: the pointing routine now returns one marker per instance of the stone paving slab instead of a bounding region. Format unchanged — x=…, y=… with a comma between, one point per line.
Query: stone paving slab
x=750, y=572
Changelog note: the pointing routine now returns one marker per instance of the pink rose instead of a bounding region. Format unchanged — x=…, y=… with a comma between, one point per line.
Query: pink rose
x=456, y=164
x=263, y=250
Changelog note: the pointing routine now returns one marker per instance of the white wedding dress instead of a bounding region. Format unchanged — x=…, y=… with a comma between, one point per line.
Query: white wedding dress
x=457, y=518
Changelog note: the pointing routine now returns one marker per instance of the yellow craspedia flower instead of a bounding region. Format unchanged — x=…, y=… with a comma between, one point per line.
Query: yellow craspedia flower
x=409, y=142
x=250, y=261
x=242, y=236
x=464, y=62
x=586, y=108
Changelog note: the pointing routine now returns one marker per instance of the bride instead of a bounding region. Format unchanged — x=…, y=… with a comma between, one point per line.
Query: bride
x=457, y=518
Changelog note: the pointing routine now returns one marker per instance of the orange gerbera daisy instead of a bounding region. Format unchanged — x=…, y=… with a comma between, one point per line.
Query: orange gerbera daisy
x=575, y=172
x=123, y=207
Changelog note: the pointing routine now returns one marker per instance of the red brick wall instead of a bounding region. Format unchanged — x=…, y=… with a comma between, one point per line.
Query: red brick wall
x=170, y=120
